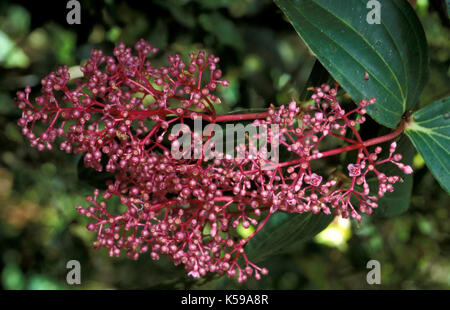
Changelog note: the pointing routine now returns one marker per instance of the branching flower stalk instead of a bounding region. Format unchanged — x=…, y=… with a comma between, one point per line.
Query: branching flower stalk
x=119, y=114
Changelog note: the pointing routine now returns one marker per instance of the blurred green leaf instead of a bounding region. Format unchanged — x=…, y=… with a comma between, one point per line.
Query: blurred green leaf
x=113, y=34
x=11, y=55
x=19, y=20
x=223, y=29
x=6, y=104
x=216, y=4
x=447, y=4
x=41, y=282
x=12, y=277
x=178, y=10
x=64, y=42
x=160, y=35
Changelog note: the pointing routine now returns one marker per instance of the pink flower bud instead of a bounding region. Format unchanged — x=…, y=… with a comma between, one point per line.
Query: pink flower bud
x=393, y=147
x=407, y=169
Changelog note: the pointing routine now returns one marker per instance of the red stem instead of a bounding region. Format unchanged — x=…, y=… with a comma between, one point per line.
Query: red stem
x=241, y=117
x=355, y=146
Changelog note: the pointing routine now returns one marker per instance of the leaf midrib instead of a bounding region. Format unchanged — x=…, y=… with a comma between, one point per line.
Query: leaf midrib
x=381, y=84
x=400, y=54
x=416, y=37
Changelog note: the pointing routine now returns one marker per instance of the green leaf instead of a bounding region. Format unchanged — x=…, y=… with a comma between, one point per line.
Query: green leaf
x=447, y=5
x=180, y=12
x=223, y=29
x=11, y=56
x=91, y=176
x=393, y=53
x=284, y=231
x=429, y=131
x=398, y=201
x=247, y=111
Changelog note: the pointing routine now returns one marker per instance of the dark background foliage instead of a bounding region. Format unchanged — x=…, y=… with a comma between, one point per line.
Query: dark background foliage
x=265, y=62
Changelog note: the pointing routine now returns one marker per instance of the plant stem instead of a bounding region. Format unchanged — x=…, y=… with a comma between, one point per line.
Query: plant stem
x=241, y=117
x=354, y=146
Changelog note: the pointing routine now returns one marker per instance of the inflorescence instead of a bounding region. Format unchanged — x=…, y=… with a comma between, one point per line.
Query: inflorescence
x=119, y=115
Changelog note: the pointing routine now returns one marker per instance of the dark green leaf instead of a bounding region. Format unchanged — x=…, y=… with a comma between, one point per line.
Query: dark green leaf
x=318, y=76
x=282, y=231
x=248, y=110
x=393, y=53
x=91, y=176
x=429, y=131
x=180, y=12
x=223, y=29
x=447, y=5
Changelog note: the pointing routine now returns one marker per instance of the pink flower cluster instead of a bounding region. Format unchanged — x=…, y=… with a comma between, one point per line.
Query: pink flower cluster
x=120, y=113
